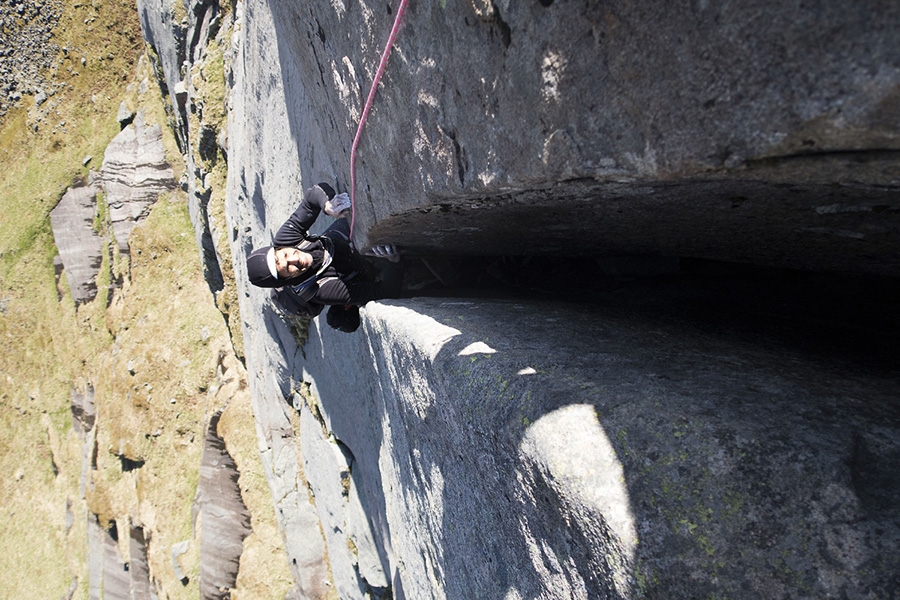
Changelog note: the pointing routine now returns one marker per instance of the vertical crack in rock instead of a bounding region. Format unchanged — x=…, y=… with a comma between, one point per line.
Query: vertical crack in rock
x=83, y=419
x=503, y=27
x=225, y=520
x=80, y=247
x=199, y=208
x=459, y=153
x=489, y=12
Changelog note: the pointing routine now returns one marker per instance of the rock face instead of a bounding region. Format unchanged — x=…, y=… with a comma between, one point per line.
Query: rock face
x=180, y=49
x=83, y=412
x=225, y=520
x=80, y=245
x=602, y=451
x=167, y=38
x=679, y=129
x=680, y=437
x=137, y=566
x=134, y=174
x=108, y=572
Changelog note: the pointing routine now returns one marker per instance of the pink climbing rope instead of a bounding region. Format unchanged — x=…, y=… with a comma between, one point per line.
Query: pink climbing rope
x=368, y=106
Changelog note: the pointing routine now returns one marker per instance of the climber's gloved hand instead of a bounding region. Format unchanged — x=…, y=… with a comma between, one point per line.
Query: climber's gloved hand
x=339, y=206
x=389, y=252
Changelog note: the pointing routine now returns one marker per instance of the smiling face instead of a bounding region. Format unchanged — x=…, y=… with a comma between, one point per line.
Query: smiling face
x=290, y=262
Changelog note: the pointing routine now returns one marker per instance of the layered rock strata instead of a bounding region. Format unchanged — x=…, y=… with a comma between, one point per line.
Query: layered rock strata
x=224, y=518
x=134, y=173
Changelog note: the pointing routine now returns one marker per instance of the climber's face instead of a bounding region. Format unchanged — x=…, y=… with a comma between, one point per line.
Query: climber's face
x=290, y=262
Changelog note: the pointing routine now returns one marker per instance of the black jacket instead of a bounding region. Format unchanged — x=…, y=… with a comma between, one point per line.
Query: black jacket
x=342, y=277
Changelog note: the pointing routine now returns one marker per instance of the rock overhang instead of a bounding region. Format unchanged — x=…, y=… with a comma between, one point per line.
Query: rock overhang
x=836, y=227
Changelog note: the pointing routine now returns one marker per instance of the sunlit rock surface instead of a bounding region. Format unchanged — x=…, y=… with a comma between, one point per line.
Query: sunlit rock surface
x=667, y=440
x=615, y=450
x=134, y=173
x=224, y=518
x=108, y=573
x=723, y=131
x=79, y=244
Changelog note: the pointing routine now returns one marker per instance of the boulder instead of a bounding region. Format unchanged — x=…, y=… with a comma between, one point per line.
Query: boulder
x=125, y=115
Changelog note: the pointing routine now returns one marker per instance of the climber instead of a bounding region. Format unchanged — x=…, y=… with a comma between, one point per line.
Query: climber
x=309, y=272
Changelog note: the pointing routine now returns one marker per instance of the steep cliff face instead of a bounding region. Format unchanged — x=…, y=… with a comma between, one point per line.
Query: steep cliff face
x=761, y=134
x=698, y=435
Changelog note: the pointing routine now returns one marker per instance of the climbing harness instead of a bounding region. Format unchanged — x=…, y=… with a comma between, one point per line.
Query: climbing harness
x=368, y=106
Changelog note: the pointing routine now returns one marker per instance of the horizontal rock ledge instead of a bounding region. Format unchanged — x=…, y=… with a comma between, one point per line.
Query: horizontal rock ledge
x=842, y=226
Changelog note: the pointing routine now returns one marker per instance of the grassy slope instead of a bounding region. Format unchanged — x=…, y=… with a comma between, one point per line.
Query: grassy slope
x=44, y=343
x=155, y=356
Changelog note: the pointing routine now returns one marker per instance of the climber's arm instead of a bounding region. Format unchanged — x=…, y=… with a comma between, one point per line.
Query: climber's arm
x=316, y=199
